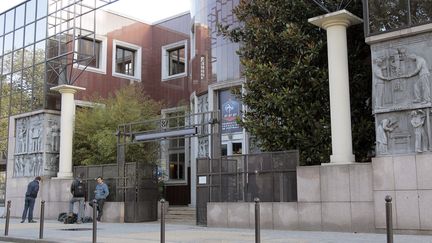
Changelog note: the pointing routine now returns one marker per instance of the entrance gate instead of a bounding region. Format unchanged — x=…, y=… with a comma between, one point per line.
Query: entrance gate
x=144, y=144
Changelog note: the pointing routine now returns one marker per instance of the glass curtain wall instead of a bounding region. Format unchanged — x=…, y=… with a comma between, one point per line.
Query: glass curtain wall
x=22, y=62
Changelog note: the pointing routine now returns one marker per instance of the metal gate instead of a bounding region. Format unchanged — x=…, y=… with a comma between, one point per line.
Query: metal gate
x=240, y=178
x=142, y=144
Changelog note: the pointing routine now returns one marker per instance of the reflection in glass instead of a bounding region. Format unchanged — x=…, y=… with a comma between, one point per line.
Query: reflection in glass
x=125, y=61
x=29, y=34
x=19, y=16
x=1, y=24
x=176, y=61
x=16, y=82
x=7, y=63
x=421, y=11
x=37, y=97
x=89, y=52
x=8, y=43
x=18, y=60
x=19, y=38
x=40, y=52
x=27, y=75
x=30, y=11
x=5, y=101
x=28, y=56
x=9, y=21
x=42, y=7
x=41, y=26
x=1, y=45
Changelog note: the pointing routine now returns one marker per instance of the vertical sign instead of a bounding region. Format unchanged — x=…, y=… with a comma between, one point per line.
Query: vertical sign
x=230, y=108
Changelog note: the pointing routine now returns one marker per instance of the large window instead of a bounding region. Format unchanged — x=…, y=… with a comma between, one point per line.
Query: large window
x=126, y=60
x=89, y=52
x=174, y=63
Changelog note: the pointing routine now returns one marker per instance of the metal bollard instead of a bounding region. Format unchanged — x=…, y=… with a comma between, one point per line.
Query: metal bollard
x=94, y=220
x=257, y=221
x=162, y=236
x=42, y=218
x=389, y=219
x=7, y=217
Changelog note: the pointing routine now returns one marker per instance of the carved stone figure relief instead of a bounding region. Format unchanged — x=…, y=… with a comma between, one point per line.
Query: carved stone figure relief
x=203, y=103
x=402, y=99
x=37, y=145
x=203, y=147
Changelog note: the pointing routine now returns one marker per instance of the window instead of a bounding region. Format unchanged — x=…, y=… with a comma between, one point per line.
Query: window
x=89, y=52
x=174, y=58
x=126, y=60
x=176, y=61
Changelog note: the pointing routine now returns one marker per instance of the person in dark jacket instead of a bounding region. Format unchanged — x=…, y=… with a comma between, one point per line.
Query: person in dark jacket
x=30, y=198
x=78, y=190
x=101, y=193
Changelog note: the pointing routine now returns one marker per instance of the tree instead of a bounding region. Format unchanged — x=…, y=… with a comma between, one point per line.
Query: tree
x=95, y=128
x=286, y=88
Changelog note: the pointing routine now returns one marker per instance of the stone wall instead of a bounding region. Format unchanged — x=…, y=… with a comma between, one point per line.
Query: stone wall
x=346, y=198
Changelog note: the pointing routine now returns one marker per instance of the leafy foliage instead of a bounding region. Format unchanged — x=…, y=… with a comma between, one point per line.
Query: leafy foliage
x=95, y=128
x=287, y=93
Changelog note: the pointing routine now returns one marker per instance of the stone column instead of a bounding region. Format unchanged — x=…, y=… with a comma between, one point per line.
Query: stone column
x=336, y=23
x=67, y=118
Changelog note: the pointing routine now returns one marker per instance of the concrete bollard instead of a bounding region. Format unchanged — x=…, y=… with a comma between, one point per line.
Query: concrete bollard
x=42, y=219
x=257, y=221
x=162, y=217
x=95, y=205
x=7, y=217
x=389, y=219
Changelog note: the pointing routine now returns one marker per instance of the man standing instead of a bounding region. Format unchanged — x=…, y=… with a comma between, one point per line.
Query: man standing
x=78, y=190
x=101, y=193
x=30, y=198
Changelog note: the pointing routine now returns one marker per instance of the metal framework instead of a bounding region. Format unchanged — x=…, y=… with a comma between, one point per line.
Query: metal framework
x=143, y=143
x=70, y=21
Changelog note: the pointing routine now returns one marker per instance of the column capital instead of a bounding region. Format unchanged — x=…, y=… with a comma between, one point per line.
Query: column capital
x=340, y=18
x=64, y=88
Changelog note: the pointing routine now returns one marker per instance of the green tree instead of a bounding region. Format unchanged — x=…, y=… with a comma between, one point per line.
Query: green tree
x=95, y=128
x=285, y=66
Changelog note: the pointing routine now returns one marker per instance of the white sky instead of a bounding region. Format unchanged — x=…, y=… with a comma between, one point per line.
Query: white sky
x=147, y=10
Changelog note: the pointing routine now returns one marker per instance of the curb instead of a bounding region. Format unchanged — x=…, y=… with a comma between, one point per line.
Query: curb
x=24, y=240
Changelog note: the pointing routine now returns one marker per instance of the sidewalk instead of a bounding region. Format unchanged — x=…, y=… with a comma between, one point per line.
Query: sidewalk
x=149, y=232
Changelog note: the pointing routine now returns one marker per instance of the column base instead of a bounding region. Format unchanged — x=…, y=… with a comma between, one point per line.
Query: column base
x=342, y=159
x=64, y=175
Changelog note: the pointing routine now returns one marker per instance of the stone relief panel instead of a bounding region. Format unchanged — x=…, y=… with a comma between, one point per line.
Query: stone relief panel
x=404, y=132
x=203, y=105
x=401, y=74
x=37, y=140
x=402, y=94
x=203, y=147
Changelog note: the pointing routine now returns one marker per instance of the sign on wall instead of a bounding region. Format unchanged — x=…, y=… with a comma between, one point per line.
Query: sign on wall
x=230, y=108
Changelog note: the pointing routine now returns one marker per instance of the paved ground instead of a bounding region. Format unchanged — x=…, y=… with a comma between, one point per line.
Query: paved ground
x=149, y=232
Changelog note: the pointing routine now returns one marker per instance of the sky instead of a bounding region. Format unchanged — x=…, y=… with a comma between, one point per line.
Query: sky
x=146, y=10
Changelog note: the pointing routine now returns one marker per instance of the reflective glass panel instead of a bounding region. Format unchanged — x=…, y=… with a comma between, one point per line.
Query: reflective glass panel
x=1, y=45
x=29, y=34
x=18, y=60
x=39, y=52
x=19, y=38
x=9, y=21
x=19, y=16
x=42, y=6
x=27, y=77
x=125, y=61
x=2, y=24
x=28, y=56
x=89, y=52
x=16, y=82
x=30, y=11
x=387, y=15
x=8, y=43
x=7, y=63
x=41, y=26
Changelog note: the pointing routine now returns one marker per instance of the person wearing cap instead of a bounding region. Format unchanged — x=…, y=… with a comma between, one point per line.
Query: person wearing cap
x=101, y=193
x=30, y=198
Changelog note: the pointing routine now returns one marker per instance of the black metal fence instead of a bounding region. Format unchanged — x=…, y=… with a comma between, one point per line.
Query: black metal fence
x=138, y=189
x=385, y=16
x=241, y=178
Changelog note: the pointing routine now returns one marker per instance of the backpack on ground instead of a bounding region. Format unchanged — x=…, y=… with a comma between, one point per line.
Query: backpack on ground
x=61, y=217
x=87, y=219
x=71, y=219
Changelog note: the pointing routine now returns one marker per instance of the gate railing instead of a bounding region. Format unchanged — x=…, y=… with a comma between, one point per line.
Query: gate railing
x=241, y=178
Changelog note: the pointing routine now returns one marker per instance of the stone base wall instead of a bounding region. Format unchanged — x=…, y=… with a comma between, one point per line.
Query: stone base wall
x=56, y=193
x=347, y=198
